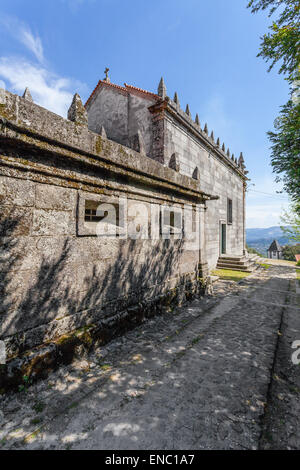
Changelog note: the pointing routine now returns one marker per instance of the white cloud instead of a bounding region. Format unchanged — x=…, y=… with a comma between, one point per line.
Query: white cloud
x=47, y=89
x=22, y=33
x=33, y=43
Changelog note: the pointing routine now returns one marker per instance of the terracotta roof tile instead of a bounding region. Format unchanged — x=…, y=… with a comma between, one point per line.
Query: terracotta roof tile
x=125, y=90
x=144, y=92
x=103, y=82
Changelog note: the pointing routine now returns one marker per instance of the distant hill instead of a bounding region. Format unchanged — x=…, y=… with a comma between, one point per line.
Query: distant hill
x=261, y=238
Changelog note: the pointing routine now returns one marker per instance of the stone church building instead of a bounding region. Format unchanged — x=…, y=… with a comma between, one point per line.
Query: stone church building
x=65, y=288
x=157, y=126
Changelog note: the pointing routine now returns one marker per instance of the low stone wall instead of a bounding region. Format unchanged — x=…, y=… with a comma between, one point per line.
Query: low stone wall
x=63, y=289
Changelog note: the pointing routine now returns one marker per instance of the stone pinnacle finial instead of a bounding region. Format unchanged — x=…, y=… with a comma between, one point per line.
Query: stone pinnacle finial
x=212, y=136
x=218, y=142
x=228, y=153
x=103, y=132
x=77, y=112
x=27, y=95
x=205, y=128
x=232, y=157
x=162, y=89
x=197, y=120
x=223, y=147
x=106, y=79
x=187, y=110
x=241, y=162
x=137, y=143
x=176, y=100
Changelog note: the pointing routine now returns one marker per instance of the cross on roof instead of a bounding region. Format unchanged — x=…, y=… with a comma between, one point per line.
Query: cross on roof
x=106, y=74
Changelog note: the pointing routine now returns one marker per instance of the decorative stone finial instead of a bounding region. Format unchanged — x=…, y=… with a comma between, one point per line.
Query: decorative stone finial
x=228, y=153
x=223, y=147
x=27, y=95
x=162, y=89
x=197, y=121
x=106, y=79
x=205, y=128
x=176, y=100
x=137, y=143
x=241, y=162
x=103, y=132
x=218, y=142
x=232, y=157
x=212, y=136
x=187, y=110
x=77, y=112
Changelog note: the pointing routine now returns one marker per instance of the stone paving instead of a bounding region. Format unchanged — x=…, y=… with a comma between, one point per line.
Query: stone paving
x=200, y=377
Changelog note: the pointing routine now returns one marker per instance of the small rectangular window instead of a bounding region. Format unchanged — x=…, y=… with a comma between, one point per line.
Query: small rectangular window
x=171, y=222
x=229, y=211
x=100, y=215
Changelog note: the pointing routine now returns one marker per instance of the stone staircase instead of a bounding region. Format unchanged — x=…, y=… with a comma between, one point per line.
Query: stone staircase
x=238, y=263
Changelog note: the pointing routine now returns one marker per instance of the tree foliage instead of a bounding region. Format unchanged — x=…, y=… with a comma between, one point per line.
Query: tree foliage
x=289, y=252
x=282, y=46
x=285, y=156
x=253, y=251
x=291, y=222
x=282, y=43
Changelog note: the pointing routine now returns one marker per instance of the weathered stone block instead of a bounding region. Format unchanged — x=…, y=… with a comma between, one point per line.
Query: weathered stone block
x=50, y=222
x=15, y=221
x=55, y=197
x=19, y=192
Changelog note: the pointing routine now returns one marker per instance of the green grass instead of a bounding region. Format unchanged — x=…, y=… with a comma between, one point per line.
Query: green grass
x=298, y=273
x=229, y=275
x=266, y=266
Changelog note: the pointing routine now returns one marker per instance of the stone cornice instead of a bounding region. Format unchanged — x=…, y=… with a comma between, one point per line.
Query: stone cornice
x=169, y=106
x=25, y=124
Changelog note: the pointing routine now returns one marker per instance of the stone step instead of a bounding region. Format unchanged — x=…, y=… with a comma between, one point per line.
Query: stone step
x=233, y=258
x=236, y=267
x=234, y=262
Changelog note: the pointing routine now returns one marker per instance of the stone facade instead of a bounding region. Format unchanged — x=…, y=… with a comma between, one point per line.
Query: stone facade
x=57, y=278
x=61, y=284
x=172, y=138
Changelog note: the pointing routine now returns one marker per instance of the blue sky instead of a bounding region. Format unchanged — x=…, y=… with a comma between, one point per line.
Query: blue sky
x=206, y=51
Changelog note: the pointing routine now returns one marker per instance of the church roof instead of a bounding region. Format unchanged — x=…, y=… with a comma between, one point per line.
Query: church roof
x=275, y=246
x=123, y=89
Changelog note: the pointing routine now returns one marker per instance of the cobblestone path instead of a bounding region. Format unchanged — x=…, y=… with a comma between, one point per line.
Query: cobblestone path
x=200, y=377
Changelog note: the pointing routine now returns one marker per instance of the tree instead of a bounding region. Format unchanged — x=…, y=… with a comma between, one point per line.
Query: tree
x=285, y=157
x=289, y=252
x=253, y=251
x=291, y=222
x=282, y=46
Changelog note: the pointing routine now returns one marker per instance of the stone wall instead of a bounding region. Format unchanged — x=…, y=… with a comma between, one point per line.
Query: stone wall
x=215, y=177
x=122, y=114
x=170, y=133
x=54, y=278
